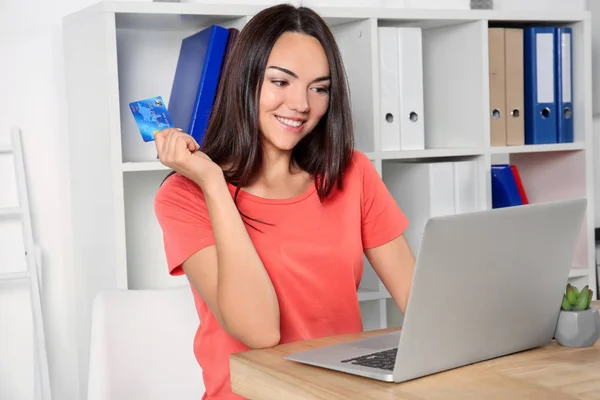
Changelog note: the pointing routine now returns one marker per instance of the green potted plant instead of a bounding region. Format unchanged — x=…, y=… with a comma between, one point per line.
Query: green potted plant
x=578, y=324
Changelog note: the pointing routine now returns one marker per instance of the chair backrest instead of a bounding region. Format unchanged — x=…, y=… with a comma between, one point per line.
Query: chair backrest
x=142, y=346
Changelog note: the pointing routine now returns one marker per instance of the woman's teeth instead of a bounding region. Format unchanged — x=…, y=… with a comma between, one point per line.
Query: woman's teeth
x=289, y=122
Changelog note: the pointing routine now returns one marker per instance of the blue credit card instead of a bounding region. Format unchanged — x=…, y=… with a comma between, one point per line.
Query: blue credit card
x=151, y=116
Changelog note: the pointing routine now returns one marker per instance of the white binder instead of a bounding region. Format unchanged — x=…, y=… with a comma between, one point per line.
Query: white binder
x=432, y=189
x=401, y=89
x=388, y=89
x=466, y=190
x=422, y=190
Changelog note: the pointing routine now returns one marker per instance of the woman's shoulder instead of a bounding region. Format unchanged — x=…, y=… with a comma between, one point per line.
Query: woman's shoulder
x=177, y=189
x=360, y=164
x=358, y=175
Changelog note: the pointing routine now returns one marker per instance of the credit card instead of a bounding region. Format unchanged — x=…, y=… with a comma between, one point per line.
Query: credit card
x=151, y=116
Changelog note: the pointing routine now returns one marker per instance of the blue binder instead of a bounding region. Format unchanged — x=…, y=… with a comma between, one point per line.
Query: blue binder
x=196, y=80
x=539, y=80
x=505, y=192
x=564, y=84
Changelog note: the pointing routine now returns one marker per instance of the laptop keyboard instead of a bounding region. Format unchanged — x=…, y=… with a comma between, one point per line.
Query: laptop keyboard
x=382, y=359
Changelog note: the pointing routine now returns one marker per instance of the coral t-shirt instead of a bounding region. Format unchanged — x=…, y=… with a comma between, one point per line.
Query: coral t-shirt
x=312, y=252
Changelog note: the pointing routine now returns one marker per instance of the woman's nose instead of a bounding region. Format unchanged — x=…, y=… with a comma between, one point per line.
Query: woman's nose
x=298, y=101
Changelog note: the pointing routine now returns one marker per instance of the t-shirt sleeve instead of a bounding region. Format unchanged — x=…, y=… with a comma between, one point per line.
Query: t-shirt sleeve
x=382, y=218
x=183, y=217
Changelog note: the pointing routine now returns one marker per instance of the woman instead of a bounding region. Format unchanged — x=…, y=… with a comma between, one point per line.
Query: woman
x=270, y=219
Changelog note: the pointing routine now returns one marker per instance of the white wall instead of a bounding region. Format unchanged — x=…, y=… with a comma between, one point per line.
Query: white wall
x=32, y=97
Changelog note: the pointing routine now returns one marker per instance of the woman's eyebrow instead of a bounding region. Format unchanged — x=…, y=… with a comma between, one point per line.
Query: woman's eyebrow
x=287, y=71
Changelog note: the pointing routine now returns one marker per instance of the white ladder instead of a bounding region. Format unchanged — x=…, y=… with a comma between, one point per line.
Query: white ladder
x=32, y=273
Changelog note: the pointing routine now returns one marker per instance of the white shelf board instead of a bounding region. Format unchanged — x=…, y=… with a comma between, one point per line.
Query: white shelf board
x=346, y=12
x=579, y=272
x=143, y=166
x=431, y=153
x=537, y=148
x=157, y=166
x=137, y=14
x=162, y=8
x=410, y=154
x=368, y=294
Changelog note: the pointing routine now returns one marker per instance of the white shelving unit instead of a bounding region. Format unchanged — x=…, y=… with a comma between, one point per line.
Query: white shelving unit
x=116, y=52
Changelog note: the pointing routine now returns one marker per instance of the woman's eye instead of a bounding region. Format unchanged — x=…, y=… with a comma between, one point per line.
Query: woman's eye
x=279, y=83
x=321, y=90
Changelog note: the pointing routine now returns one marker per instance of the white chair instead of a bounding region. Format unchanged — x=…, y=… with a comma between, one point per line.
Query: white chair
x=142, y=346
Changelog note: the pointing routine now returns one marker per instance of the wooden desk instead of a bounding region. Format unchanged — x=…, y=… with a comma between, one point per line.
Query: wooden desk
x=546, y=373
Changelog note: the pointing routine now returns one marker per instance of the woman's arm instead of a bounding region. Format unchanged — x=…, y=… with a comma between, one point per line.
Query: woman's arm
x=228, y=274
x=242, y=293
x=394, y=263
x=382, y=230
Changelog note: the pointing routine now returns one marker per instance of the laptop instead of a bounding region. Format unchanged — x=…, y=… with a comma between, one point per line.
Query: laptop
x=486, y=284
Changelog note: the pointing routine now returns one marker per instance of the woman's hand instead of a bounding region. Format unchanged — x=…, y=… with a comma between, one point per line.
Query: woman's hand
x=180, y=152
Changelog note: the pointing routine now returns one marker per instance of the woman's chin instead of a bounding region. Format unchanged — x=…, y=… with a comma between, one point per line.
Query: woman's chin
x=282, y=144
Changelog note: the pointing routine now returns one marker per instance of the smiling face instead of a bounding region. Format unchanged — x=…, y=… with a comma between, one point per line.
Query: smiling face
x=295, y=91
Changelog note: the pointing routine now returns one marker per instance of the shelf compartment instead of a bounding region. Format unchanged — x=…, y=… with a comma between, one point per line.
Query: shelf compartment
x=434, y=187
x=146, y=260
x=581, y=95
x=552, y=176
x=147, y=60
x=454, y=70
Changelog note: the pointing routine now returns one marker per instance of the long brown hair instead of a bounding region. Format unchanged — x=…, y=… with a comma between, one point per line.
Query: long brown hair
x=232, y=136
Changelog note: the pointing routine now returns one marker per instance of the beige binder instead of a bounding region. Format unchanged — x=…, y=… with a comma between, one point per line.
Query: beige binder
x=497, y=86
x=513, y=53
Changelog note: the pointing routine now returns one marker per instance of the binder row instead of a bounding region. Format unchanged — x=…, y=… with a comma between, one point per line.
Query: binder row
x=400, y=53
x=530, y=78
x=530, y=85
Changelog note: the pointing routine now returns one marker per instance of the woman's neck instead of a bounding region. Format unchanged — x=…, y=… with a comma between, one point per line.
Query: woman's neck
x=279, y=177
x=276, y=165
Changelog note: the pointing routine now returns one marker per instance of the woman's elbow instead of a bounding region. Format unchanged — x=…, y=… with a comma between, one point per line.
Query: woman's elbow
x=255, y=337
x=262, y=340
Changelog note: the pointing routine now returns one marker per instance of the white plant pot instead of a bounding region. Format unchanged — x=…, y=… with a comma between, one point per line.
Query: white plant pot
x=578, y=328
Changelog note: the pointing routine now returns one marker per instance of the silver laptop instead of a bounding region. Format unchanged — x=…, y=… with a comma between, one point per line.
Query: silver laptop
x=486, y=284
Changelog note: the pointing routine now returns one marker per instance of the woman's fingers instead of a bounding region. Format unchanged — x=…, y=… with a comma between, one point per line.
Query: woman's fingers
x=173, y=146
x=191, y=143
x=196, y=146
x=164, y=141
x=159, y=141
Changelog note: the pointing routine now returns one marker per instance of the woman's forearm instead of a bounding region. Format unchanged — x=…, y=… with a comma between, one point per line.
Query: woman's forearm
x=245, y=295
